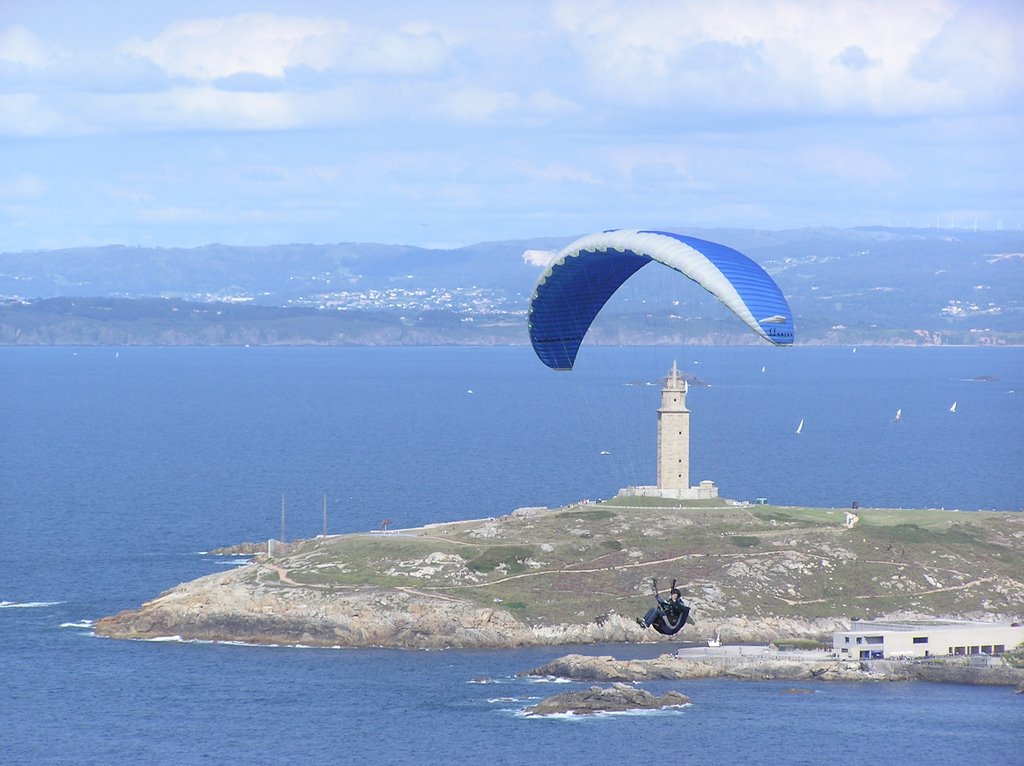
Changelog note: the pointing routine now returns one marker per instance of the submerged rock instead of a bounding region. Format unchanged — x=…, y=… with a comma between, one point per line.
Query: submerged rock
x=616, y=698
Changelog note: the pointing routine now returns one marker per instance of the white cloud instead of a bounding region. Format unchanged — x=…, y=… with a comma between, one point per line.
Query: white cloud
x=26, y=114
x=20, y=46
x=738, y=55
x=270, y=45
x=477, y=104
x=541, y=258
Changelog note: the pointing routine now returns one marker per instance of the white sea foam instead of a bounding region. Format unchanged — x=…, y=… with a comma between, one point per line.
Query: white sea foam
x=500, y=700
x=234, y=643
x=550, y=680
x=604, y=714
x=80, y=624
x=180, y=640
x=28, y=604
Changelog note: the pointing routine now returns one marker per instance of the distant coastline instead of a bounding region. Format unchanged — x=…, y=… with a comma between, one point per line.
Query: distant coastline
x=174, y=322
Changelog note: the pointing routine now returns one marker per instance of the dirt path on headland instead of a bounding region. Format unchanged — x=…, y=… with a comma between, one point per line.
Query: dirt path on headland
x=962, y=586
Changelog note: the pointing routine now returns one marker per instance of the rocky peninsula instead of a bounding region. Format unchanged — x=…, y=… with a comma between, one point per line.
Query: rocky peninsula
x=580, y=574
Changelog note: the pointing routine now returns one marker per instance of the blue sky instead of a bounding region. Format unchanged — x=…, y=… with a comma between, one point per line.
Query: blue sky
x=448, y=123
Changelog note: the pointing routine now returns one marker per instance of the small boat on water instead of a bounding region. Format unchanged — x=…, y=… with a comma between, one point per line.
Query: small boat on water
x=953, y=408
x=800, y=427
x=899, y=416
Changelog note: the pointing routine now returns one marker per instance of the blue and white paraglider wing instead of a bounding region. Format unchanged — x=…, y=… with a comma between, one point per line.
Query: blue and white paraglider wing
x=586, y=273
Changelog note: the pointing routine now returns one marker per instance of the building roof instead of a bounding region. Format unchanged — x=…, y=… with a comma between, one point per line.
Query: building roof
x=874, y=626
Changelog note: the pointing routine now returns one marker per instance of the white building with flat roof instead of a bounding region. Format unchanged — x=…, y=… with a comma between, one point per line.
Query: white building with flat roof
x=880, y=640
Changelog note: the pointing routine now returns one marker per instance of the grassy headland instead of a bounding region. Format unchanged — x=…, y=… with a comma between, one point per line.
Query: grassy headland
x=577, y=564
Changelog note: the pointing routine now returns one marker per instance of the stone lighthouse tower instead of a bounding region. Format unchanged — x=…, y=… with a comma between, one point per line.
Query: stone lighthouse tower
x=673, y=434
x=673, y=468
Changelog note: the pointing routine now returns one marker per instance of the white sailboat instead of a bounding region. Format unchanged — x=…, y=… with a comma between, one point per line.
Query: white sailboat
x=953, y=408
x=899, y=416
x=800, y=427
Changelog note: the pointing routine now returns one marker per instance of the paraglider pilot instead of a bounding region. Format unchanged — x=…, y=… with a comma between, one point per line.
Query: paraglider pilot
x=669, y=616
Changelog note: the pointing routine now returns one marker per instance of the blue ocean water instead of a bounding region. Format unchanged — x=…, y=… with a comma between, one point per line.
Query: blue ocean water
x=119, y=466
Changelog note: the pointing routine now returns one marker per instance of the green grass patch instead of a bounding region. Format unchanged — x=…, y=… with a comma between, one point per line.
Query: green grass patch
x=511, y=556
x=600, y=515
x=772, y=516
x=744, y=541
x=612, y=545
x=908, y=533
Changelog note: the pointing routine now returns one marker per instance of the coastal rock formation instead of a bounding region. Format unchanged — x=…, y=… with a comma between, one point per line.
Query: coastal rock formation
x=241, y=549
x=617, y=698
x=235, y=606
x=770, y=666
x=669, y=667
x=252, y=604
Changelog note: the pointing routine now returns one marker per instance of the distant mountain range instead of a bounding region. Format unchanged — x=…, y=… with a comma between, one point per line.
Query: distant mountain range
x=863, y=285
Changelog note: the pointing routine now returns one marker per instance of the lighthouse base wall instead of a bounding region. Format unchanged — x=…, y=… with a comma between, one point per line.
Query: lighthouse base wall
x=706, y=490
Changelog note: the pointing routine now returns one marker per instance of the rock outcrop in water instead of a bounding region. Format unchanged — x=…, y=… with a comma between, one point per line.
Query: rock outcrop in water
x=617, y=698
x=670, y=667
x=769, y=666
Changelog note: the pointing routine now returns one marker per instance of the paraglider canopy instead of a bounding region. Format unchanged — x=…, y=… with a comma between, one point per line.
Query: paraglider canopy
x=585, y=274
